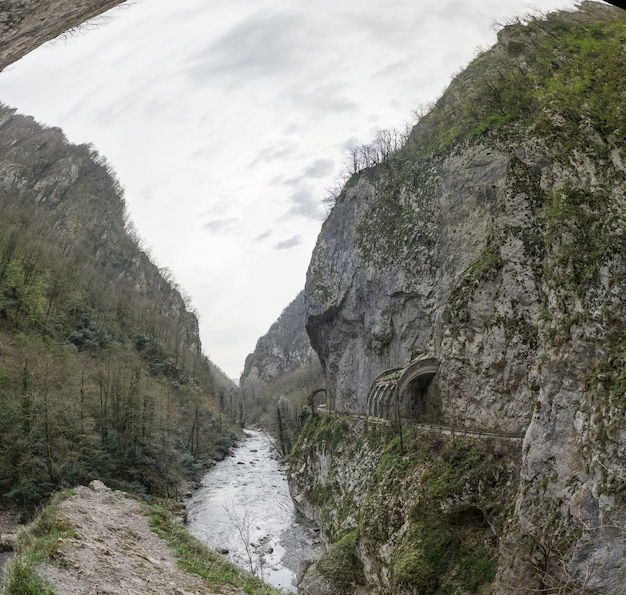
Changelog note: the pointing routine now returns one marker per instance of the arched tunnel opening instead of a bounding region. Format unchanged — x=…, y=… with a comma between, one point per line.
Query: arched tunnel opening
x=420, y=401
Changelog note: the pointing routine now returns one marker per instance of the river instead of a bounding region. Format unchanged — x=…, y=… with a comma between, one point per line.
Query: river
x=244, y=510
x=4, y=558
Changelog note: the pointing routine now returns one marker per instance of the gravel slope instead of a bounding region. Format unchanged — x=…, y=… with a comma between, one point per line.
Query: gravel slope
x=113, y=551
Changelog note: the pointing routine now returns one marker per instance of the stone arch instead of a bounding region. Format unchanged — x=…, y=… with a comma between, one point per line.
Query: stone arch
x=380, y=398
x=315, y=402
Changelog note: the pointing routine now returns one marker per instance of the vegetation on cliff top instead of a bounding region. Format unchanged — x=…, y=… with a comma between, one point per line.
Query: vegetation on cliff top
x=548, y=73
x=559, y=77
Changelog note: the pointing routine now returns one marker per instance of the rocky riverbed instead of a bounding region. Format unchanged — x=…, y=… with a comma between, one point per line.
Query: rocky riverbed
x=245, y=511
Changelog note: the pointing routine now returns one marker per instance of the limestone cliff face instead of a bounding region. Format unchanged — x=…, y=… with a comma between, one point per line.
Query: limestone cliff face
x=284, y=348
x=280, y=375
x=27, y=24
x=495, y=242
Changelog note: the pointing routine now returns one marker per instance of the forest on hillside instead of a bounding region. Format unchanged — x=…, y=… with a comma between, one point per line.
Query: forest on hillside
x=101, y=369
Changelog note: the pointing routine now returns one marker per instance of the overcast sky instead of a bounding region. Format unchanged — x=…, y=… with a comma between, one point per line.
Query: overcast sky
x=227, y=121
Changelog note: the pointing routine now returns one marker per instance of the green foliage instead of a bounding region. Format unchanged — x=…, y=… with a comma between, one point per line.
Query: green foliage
x=485, y=268
x=331, y=430
x=436, y=552
x=21, y=580
x=554, y=74
x=435, y=504
x=35, y=546
x=583, y=233
x=609, y=375
x=102, y=376
x=430, y=559
x=340, y=564
x=22, y=292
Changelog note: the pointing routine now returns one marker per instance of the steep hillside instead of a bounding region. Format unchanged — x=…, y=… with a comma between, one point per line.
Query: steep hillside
x=102, y=372
x=280, y=375
x=96, y=540
x=493, y=244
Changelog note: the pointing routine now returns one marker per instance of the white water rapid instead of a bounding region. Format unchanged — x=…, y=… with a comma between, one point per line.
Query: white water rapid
x=244, y=510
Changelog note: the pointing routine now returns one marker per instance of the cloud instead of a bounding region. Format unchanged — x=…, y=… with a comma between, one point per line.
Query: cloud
x=262, y=237
x=319, y=168
x=290, y=243
x=220, y=226
x=324, y=99
x=305, y=204
x=259, y=46
x=278, y=152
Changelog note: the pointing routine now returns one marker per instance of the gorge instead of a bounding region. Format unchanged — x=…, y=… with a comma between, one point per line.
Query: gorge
x=462, y=327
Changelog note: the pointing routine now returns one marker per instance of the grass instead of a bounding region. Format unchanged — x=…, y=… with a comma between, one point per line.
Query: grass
x=195, y=558
x=340, y=564
x=35, y=546
x=39, y=542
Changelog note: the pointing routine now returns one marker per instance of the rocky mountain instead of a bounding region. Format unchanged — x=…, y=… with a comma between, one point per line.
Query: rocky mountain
x=491, y=245
x=26, y=24
x=284, y=348
x=280, y=375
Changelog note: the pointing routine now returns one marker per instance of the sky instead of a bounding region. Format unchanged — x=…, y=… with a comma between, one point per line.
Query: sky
x=227, y=123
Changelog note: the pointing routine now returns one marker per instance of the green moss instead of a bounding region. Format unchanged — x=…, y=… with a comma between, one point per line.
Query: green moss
x=607, y=387
x=405, y=504
x=398, y=226
x=485, y=268
x=340, y=564
x=439, y=553
x=569, y=64
x=582, y=233
x=431, y=559
x=325, y=279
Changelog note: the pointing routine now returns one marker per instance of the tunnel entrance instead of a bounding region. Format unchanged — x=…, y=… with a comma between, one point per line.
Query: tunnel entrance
x=411, y=392
x=420, y=400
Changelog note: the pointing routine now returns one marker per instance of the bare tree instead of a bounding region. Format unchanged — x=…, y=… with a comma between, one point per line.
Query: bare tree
x=243, y=524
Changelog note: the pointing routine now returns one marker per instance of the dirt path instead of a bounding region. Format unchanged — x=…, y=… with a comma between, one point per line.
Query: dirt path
x=114, y=551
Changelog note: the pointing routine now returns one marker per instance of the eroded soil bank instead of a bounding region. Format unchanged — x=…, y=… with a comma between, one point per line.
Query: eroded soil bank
x=113, y=549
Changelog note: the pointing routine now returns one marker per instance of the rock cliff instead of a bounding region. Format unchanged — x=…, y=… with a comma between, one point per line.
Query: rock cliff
x=284, y=348
x=26, y=24
x=494, y=241
x=280, y=375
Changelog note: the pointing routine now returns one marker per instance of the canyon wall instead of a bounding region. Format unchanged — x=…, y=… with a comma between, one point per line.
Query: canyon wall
x=494, y=241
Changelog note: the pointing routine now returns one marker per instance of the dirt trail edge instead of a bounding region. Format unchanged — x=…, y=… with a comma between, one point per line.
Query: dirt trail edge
x=113, y=550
